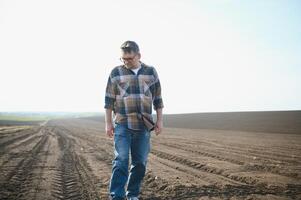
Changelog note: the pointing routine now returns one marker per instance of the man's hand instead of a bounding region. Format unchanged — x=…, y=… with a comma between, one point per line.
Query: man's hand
x=110, y=129
x=158, y=127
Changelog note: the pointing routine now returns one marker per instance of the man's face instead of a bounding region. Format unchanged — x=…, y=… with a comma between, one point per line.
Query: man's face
x=130, y=59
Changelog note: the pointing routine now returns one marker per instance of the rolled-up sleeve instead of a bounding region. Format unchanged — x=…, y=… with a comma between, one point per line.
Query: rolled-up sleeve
x=110, y=94
x=157, y=97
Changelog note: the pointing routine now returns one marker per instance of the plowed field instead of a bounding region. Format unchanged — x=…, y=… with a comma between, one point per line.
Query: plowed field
x=72, y=159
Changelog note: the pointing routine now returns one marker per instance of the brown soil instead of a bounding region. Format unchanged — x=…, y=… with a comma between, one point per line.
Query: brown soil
x=72, y=159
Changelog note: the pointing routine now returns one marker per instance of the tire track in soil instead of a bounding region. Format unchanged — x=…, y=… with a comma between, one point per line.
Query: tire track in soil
x=101, y=154
x=162, y=190
x=73, y=179
x=271, y=153
x=16, y=183
x=12, y=131
x=203, y=153
x=21, y=148
x=14, y=138
x=212, y=179
x=204, y=167
x=258, y=167
x=156, y=188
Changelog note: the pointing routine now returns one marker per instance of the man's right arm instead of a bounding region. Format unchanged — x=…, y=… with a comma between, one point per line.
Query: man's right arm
x=108, y=115
x=109, y=122
x=110, y=98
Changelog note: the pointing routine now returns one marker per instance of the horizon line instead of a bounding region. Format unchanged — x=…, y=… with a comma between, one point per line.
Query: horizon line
x=99, y=112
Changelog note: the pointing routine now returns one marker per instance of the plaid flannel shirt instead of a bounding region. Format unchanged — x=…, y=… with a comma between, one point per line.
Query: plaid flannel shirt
x=126, y=90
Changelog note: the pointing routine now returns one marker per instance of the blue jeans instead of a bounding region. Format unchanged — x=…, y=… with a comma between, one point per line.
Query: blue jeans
x=138, y=143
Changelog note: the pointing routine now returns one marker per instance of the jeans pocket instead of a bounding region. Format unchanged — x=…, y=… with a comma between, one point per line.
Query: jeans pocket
x=120, y=129
x=116, y=128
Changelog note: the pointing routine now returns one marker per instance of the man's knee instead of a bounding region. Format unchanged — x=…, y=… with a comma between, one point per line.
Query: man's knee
x=121, y=159
x=139, y=166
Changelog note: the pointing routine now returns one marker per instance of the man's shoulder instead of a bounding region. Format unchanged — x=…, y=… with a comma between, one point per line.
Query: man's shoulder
x=115, y=71
x=149, y=68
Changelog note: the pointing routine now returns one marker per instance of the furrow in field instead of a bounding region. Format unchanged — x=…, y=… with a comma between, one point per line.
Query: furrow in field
x=16, y=179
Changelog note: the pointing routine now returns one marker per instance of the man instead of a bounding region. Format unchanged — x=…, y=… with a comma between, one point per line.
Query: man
x=131, y=90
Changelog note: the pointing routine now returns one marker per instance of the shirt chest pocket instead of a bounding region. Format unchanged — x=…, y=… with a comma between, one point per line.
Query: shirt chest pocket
x=123, y=88
x=147, y=83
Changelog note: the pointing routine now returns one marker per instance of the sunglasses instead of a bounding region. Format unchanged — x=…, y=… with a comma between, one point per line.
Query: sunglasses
x=127, y=59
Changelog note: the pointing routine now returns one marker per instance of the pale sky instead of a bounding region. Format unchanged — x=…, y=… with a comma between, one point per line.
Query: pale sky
x=211, y=56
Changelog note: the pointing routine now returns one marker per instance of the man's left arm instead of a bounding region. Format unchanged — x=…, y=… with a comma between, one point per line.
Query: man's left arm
x=159, y=122
x=158, y=103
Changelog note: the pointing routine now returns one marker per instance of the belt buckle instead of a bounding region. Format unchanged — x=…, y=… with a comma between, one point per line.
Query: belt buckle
x=139, y=116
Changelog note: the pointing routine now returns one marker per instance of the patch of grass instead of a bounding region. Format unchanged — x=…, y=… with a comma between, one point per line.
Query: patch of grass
x=42, y=116
x=23, y=118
